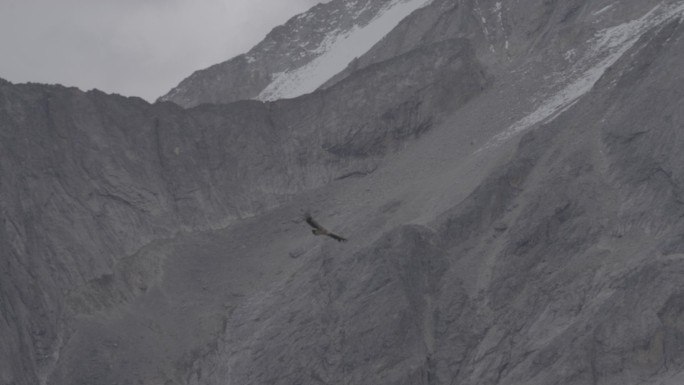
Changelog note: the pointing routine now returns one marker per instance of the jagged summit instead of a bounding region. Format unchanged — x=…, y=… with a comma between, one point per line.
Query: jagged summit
x=299, y=56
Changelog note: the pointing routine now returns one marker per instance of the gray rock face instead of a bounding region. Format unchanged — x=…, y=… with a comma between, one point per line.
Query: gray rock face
x=512, y=199
x=89, y=179
x=553, y=270
x=285, y=49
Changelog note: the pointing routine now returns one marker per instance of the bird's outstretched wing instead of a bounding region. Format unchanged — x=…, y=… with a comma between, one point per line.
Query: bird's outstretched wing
x=313, y=223
x=320, y=230
x=337, y=237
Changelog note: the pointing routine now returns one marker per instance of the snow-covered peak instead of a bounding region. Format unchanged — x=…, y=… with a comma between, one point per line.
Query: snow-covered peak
x=338, y=49
x=299, y=56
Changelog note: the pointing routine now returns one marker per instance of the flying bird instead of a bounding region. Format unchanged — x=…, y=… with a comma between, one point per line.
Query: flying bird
x=320, y=230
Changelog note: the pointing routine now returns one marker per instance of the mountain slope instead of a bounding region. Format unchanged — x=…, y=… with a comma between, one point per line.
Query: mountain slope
x=90, y=179
x=559, y=266
x=513, y=215
x=297, y=57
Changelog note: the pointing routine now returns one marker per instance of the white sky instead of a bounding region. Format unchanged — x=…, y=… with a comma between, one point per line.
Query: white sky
x=132, y=47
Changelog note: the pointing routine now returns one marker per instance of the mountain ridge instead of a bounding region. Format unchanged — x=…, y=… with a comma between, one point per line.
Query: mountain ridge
x=502, y=229
x=296, y=57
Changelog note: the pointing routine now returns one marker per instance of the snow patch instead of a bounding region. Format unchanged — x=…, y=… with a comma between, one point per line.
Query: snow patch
x=570, y=54
x=600, y=11
x=336, y=51
x=497, y=11
x=607, y=47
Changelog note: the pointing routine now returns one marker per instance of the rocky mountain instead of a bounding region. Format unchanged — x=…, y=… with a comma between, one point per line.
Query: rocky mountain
x=508, y=175
x=297, y=57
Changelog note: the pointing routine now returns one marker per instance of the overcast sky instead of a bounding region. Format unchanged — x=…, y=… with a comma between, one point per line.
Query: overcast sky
x=132, y=47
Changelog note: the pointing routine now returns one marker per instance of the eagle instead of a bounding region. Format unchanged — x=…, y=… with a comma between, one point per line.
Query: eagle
x=320, y=230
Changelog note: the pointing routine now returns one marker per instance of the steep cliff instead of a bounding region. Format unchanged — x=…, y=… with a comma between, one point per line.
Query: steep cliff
x=89, y=179
x=510, y=185
x=559, y=264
